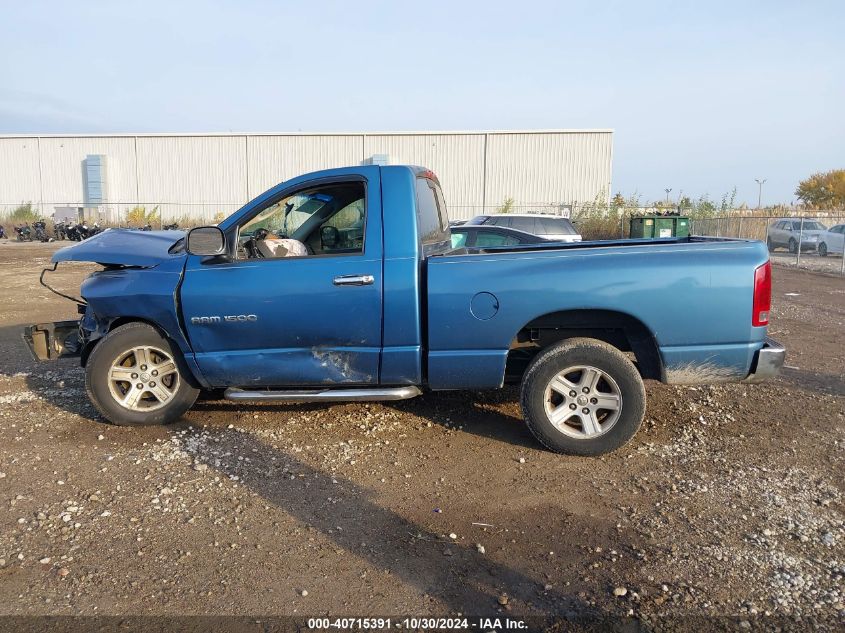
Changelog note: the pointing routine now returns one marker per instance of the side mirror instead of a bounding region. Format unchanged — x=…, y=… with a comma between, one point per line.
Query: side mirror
x=205, y=241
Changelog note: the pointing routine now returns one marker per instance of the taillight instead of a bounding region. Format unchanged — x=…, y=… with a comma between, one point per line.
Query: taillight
x=762, y=295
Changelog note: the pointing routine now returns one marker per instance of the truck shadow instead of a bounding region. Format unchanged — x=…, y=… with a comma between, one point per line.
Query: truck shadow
x=477, y=413
x=462, y=411
x=452, y=574
x=831, y=384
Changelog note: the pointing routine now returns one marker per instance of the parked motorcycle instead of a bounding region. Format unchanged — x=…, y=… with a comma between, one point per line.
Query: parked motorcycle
x=171, y=227
x=24, y=233
x=40, y=230
x=60, y=230
x=2, y=232
x=94, y=229
x=147, y=227
x=73, y=232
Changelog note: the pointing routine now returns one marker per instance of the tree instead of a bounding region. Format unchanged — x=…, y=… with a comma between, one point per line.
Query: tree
x=507, y=206
x=823, y=189
x=617, y=201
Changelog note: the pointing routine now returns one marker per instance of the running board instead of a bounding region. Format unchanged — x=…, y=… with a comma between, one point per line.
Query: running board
x=324, y=395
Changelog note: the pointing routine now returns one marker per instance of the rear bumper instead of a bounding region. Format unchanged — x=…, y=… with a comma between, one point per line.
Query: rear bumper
x=767, y=361
x=49, y=341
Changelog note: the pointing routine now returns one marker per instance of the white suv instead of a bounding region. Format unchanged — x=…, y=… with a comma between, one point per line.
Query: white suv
x=549, y=227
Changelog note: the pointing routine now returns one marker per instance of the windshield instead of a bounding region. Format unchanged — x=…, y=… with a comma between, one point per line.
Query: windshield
x=287, y=215
x=809, y=226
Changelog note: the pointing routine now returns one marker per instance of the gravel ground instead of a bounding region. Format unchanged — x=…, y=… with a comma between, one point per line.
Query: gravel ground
x=809, y=261
x=726, y=510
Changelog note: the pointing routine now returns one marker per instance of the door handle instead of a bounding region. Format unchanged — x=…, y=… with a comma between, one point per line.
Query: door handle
x=354, y=280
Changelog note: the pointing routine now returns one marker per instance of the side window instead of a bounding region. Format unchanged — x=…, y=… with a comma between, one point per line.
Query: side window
x=434, y=234
x=559, y=226
x=796, y=226
x=500, y=220
x=324, y=220
x=483, y=239
x=459, y=240
x=523, y=224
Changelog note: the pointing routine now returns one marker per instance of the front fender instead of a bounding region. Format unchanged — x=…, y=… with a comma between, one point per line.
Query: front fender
x=120, y=295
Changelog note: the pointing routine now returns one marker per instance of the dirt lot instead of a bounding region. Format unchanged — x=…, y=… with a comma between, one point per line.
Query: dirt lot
x=729, y=502
x=831, y=264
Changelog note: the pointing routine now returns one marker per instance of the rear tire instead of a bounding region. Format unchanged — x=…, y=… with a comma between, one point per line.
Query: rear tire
x=793, y=245
x=769, y=245
x=135, y=377
x=606, y=409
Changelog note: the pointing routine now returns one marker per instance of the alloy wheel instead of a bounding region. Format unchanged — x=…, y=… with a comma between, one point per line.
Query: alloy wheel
x=143, y=378
x=583, y=402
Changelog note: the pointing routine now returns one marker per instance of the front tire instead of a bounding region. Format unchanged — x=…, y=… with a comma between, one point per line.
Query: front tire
x=583, y=397
x=793, y=245
x=135, y=377
x=823, y=249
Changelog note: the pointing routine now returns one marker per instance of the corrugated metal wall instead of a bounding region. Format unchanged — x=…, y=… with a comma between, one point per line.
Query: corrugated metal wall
x=205, y=175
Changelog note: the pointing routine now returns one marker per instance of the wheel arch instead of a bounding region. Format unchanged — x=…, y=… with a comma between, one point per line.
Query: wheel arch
x=620, y=329
x=112, y=324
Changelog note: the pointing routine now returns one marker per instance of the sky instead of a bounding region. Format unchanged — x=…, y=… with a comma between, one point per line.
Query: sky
x=702, y=96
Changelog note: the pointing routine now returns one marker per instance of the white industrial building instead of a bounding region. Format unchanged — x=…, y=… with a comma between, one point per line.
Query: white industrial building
x=205, y=175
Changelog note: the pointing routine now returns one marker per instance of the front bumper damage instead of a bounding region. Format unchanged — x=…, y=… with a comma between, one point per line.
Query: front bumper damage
x=767, y=361
x=49, y=341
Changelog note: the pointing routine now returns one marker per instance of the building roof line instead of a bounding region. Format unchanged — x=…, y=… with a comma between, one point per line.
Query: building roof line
x=305, y=134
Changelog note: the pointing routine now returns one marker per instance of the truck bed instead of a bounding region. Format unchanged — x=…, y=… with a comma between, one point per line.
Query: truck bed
x=693, y=296
x=595, y=244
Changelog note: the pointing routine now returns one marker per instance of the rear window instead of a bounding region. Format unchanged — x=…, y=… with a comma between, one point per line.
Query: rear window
x=432, y=221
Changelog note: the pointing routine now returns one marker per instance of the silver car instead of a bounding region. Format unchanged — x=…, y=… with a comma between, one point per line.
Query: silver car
x=833, y=241
x=789, y=233
x=549, y=227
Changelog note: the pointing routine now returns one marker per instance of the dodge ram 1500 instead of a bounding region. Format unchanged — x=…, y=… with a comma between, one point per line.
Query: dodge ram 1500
x=343, y=285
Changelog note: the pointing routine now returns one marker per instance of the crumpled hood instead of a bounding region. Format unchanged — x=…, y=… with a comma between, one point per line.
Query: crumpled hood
x=123, y=247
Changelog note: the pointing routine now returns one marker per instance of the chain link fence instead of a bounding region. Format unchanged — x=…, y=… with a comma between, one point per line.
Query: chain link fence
x=811, y=243
x=119, y=214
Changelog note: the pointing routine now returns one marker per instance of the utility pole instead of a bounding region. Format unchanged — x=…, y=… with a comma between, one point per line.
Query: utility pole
x=668, y=191
x=760, y=182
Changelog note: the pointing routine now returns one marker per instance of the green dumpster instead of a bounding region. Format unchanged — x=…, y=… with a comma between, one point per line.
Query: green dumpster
x=651, y=226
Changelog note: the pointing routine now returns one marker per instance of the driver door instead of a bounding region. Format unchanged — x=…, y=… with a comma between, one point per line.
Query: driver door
x=283, y=318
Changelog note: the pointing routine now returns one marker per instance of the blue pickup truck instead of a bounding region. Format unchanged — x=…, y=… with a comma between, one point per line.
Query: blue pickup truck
x=343, y=285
